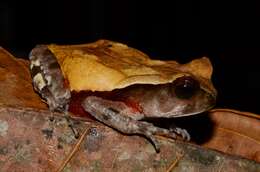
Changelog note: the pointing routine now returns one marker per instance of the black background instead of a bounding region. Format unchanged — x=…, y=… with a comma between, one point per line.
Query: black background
x=228, y=33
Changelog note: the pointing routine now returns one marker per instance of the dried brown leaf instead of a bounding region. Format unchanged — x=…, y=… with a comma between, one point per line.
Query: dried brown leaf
x=15, y=83
x=30, y=141
x=236, y=133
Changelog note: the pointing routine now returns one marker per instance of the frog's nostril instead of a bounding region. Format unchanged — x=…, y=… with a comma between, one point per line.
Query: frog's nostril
x=185, y=87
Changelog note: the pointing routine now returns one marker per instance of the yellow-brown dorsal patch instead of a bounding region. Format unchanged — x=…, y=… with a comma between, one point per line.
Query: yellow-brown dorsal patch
x=105, y=65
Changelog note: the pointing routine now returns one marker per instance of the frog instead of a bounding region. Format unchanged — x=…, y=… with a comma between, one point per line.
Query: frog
x=147, y=89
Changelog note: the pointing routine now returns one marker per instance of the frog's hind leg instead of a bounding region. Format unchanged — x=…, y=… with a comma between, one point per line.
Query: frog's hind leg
x=118, y=116
x=184, y=133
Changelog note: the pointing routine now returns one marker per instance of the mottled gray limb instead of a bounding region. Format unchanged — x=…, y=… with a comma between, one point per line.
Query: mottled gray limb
x=48, y=79
x=114, y=117
x=49, y=82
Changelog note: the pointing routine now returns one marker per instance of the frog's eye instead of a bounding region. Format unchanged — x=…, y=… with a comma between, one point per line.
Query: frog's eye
x=185, y=87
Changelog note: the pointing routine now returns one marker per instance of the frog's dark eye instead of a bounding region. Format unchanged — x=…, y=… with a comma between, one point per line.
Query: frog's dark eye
x=185, y=87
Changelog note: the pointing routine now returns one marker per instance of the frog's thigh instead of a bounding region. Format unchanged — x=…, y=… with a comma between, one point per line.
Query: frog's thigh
x=117, y=116
x=99, y=106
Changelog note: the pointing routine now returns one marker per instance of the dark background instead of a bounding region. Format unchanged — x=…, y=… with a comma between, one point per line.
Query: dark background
x=228, y=33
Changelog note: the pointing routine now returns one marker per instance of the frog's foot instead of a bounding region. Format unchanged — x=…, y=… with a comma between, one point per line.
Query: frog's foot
x=71, y=125
x=117, y=116
x=182, y=132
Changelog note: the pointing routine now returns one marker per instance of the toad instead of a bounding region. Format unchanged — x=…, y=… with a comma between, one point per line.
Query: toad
x=121, y=87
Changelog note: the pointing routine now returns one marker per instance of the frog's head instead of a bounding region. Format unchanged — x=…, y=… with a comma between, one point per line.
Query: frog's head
x=183, y=97
x=189, y=92
x=191, y=97
x=194, y=93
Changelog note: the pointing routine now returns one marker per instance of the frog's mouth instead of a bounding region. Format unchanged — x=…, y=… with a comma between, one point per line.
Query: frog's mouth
x=203, y=103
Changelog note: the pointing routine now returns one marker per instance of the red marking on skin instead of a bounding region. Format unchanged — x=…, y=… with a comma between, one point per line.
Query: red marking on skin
x=75, y=105
x=78, y=97
x=134, y=105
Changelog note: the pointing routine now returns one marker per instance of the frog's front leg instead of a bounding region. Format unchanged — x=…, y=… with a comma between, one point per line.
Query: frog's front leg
x=121, y=117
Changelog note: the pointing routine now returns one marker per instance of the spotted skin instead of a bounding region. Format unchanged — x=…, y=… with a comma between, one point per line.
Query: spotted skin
x=48, y=79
